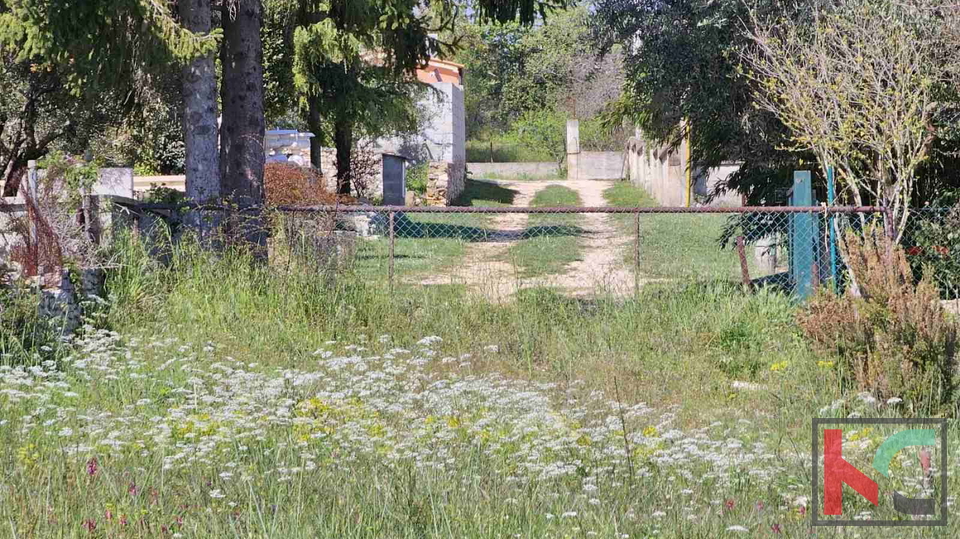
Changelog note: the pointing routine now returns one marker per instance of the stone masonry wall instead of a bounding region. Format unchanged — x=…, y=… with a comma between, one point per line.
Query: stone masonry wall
x=445, y=182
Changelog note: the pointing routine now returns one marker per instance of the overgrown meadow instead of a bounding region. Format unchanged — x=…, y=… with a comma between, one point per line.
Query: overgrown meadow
x=214, y=397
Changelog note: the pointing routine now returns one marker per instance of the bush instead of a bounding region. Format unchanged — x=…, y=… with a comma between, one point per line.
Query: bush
x=417, y=177
x=894, y=339
x=292, y=185
x=160, y=194
x=934, y=246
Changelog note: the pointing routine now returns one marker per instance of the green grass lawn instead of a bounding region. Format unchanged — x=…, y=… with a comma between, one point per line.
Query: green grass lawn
x=677, y=246
x=551, y=241
x=432, y=242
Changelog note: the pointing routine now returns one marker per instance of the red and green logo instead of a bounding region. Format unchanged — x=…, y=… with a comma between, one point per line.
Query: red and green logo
x=928, y=435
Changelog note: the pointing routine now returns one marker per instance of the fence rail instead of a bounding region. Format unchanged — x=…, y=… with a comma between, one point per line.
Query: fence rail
x=523, y=210
x=580, y=249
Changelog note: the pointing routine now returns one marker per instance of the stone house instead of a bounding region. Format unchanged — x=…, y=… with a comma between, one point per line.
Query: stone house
x=441, y=142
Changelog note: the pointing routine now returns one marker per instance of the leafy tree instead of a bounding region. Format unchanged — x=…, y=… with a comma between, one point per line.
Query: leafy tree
x=38, y=113
x=863, y=88
x=513, y=69
x=523, y=80
x=682, y=78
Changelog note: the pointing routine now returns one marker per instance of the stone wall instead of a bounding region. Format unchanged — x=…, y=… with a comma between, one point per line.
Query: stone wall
x=445, y=182
x=662, y=172
x=598, y=166
x=512, y=170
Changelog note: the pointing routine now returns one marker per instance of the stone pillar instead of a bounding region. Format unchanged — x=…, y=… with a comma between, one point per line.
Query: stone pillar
x=573, y=149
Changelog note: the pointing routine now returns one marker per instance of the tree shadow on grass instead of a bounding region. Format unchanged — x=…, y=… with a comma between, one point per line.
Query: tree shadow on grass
x=482, y=191
x=410, y=228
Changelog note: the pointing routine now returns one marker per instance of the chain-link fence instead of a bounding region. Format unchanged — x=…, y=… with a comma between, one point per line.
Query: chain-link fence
x=581, y=251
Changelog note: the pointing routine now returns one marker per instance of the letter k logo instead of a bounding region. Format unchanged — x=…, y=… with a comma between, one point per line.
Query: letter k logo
x=837, y=471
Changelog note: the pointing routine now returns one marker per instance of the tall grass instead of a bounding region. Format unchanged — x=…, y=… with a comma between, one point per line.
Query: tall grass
x=677, y=246
x=231, y=399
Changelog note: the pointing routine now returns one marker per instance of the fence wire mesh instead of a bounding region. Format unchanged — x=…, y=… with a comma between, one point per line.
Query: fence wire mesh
x=582, y=251
x=605, y=250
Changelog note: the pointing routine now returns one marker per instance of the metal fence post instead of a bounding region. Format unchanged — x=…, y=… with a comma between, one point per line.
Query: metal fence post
x=393, y=241
x=636, y=260
x=830, y=222
x=32, y=215
x=744, y=268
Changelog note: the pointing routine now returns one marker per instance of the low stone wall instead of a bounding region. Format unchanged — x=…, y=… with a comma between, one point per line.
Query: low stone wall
x=445, y=182
x=142, y=184
x=596, y=166
x=662, y=172
x=511, y=170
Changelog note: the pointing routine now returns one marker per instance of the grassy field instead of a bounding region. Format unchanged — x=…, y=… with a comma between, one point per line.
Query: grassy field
x=479, y=151
x=221, y=399
x=432, y=242
x=212, y=396
x=550, y=241
x=678, y=246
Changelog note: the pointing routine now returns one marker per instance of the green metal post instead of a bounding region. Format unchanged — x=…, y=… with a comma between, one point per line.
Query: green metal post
x=804, y=236
x=831, y=201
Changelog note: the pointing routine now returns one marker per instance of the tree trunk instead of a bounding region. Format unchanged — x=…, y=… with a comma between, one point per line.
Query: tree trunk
x=315, y=124
x=243, y=126
x=12, y=177
x=200, y=131
x=343, y=138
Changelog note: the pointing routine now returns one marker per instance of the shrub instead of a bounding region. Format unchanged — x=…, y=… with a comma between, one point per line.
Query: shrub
x=894, y=339
x=935, y=245
x=417, y=177
x=160, y=194
x=57, y=213
x=292, y=185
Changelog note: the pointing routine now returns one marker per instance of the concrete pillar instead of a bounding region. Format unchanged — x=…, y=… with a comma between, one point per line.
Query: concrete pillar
x=573, y=149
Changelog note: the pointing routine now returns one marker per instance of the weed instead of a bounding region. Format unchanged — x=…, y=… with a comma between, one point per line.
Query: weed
x=895, y=338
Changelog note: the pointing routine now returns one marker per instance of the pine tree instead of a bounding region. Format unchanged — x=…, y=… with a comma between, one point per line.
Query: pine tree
x=200, y=128
x=94, y=50
x=350, y=81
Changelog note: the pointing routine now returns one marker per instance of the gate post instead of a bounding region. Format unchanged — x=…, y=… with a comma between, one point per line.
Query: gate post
x=804, y=237
x=393, y=241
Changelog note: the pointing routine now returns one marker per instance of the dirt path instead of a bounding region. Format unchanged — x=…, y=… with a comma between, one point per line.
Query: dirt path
x=483, y=267
x=601, y=265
